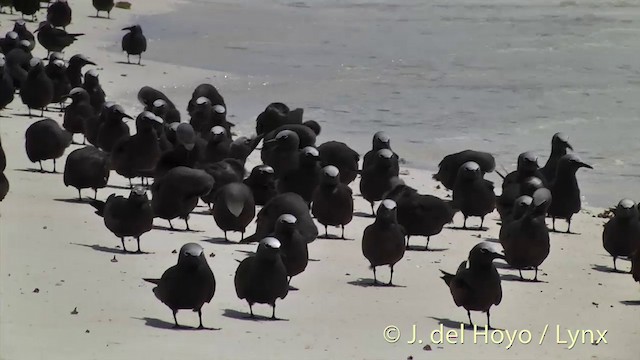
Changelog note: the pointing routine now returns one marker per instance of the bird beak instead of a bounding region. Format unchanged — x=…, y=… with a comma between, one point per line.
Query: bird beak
x=127, y=28
x=569, y=147
x=88, y=62
x=65, y=97
x=127, y=116
x=270, y=141
x=499, y=256
x=585, y=165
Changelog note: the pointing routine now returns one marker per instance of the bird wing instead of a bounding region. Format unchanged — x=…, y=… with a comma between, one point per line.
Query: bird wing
x=242, y=276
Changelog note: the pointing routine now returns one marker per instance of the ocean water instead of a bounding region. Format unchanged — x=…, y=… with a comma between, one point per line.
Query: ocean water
x=438, y=76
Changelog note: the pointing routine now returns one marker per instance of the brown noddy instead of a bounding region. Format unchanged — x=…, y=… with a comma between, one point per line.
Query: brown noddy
x=294, y=249
x=262, y=183
x=234, y=208
x=188, y=285
x=87, y=168
x=262, y=278
x=565, y=190
x=379, y=177
x=472, y=194
x=476, y=287
x=621, y=234
x=383, y=241
x=341, y=156
x=45, y=140
x=449, y=165
x=332, y=201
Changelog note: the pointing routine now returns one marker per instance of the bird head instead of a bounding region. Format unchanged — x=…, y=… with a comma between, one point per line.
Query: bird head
x=560, y=141
x=268, y=247
x=484, y=253
x=626, y=209
x=381, y=141
x=527, y=162
x=285, y=224
x=330, y=175
x=470, y=170
x=186, y=136
x=190, y=255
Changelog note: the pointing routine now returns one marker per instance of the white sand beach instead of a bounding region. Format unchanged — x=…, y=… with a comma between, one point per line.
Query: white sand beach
x=62, y=249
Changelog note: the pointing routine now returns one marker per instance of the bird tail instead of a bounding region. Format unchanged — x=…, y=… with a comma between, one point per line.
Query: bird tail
x=446, y=277
x=153, y=281
x=99, y=206
x=76, y=34
x=249, y=239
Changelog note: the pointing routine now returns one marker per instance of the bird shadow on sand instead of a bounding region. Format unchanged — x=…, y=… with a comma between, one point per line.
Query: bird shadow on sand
x=459, y=228
x=492, y=240
x=422, y=249
x=630, y=302
x=74, y=200
x=38, y=171
x=161, y=324
x=517, y=278
x=119, y=187
x=451, y=324
x=219, y=241
x=29, y=116
x=362, y=282
x=203, y=212
x=563, y=232
x=333, y=237
x=166, y=228
x=129, y=63
x=99, y=17
x=109, y=250
x=234, y=314
x=363, y=214
x=607, y=269
x=248, y=252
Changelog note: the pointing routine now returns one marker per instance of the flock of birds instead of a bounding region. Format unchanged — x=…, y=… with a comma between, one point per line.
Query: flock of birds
x=199, y=160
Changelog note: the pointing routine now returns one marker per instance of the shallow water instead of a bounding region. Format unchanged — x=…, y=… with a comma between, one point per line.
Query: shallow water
x=438, y=76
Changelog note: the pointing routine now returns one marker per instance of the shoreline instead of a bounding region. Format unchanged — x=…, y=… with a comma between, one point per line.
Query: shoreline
x=50, y=243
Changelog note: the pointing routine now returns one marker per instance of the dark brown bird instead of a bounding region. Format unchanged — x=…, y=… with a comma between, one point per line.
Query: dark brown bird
x=87, y=168
x=234, y=208
x=332, y=201
x=188, y=285
x=477, y=287
x=383, y=241
x=472, y=194
x=565, y=190
x=621, y=235
x=46, y=140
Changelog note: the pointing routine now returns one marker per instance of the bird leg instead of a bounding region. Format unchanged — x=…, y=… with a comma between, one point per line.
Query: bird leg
x=42, y=110
x=614, y=263
x=130, y=184
x=128, y=61
x=124, y=249
x=138, y=240
x=186, y=221
x=553, y=223
x=569, y=226
x=391, y=277
x=535, y=278
x=225, y=237
x=41, y=169
x=79, y=195
x=200, y=317
x=342, y=236
x=251, y=311
x=84, y=139
x=54, y=166
x=469, y=315
x=29, y=112
x=175, y=319
x=242, y=236
x=464, y=224
x=139, y=59
x=375, y=280
x=520, y=271
x=488, y=319
x=407, y=244
x=481, y=222
x=273, y=312
x=170, y=224
x=95, y=194
x=326, y=231
x=373, y=211
x=108, y=14
x=97, y=13
x=427, y=246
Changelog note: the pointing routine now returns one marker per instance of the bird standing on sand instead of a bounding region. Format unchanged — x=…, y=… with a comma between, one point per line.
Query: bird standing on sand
x=134, y=42
x=526, y=239
x=341, y=156
x=103, y=5
x=294, y=249
x=332, y=201
x=379, y=178
x=287, y=203
x=85, y=168
x=380, y=141
x=56, y=71
x=208, y=91
x=45, y=140
x=4, y=182
x=74, y=69
x=282, y=152
x=27, y=7
x=20, y=27
x=37, y=90
x=383, y=241
x=97, y=96
x=59, y=14
x=7, y=89
x=184, y=152
x=477, y=287
x=421, y=215
x=113, y=128
x=565, y=190
x=450, y=164
x=176, y=193
x=305, y=178
x=54, y=40
x=188, y=285
x=234, y=208
x=621, y=235
x=472, y=194
x=262, y=183
x=218, y=145
x=78, y=112
x=263, y=278
x=559, y=146
x=125, y=217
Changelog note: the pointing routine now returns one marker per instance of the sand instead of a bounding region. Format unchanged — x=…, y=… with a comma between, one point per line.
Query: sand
x=62, y=249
